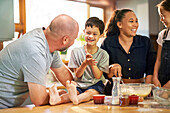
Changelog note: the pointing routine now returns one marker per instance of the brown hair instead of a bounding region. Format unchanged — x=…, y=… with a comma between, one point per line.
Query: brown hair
x=165, y=4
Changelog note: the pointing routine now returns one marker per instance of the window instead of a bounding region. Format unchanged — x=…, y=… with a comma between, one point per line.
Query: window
x=39, y=13
x=98, y=12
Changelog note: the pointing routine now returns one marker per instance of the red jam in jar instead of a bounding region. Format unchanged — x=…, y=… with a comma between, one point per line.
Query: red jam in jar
x=133, y=100
x=124, y=100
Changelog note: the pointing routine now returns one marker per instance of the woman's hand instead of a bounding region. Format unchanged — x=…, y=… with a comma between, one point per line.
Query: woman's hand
x=167, y=85
x=115, y=69
x=156, y=82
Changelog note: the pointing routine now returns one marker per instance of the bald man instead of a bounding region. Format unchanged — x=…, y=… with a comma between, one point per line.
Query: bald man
x=25, y=62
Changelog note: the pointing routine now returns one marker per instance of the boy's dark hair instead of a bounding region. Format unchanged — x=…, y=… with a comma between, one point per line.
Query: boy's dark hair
x=94, y=21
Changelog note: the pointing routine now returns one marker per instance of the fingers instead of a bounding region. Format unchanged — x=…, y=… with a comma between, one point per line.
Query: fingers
x=159, y=85
x=116, y=70
x=94, y=62
x=156, y=82
x=119, y=72
x=53, y=88
x=91, y=61
x=166, y=86
x=68, y=82
x=89, y=56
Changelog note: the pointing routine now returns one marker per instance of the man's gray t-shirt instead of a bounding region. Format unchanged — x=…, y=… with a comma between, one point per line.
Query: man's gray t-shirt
x=27, y=59
x=78, y=55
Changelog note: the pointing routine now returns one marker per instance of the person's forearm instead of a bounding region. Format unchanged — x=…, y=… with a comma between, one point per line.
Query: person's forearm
x=158, y=62
x=79, y=71
x=156, y=69
x=38, y=94
x=68, y=77
x=96, y=72
x=63, y=74
x=167, y=85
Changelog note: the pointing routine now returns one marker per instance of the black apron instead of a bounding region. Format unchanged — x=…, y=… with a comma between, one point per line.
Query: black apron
x=164, y=70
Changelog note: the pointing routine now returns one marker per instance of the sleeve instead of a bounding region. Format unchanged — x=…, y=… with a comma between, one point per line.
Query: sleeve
x=103, y=64
x=57, y=62
x=104, y=45
x=72, y=62
x=34, y=69
x=160, y=37
x=151, y=58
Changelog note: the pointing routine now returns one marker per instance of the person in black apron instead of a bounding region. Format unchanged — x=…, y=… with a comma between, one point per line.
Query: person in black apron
x=164, y=71
x=161, y=76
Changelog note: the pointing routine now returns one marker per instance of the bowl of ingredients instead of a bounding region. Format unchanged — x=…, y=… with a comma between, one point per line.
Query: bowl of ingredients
x=98, y=99
x=139, y=89
x=162, y=96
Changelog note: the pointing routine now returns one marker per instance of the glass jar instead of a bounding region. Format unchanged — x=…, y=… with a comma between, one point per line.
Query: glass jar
x=116, y=90
x=124, y=100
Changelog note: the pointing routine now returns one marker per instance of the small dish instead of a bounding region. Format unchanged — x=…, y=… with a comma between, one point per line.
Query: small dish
x=133, y=99
x=98, y=99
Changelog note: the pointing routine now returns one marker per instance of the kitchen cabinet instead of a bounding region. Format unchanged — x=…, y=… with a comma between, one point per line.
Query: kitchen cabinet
x=7, y=26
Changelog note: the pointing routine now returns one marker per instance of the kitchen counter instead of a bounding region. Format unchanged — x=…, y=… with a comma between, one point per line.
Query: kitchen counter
x=147, y=106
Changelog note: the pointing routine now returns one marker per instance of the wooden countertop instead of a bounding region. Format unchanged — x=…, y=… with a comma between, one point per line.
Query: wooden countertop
x=89, y=107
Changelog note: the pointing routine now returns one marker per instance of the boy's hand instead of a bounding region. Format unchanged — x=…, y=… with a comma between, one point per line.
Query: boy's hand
x=89, y=59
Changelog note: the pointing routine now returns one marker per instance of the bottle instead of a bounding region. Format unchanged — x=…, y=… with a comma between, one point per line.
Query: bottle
x=116, y=90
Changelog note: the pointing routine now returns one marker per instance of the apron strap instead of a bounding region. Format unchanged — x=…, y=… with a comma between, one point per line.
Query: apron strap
x=165, y=33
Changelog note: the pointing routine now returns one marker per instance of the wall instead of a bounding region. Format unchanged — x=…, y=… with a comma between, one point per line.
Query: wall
x=140, y=7
x=155, y=26
x=146, y=11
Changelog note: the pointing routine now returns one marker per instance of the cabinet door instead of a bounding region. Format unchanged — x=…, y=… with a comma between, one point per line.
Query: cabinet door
x=7, y=27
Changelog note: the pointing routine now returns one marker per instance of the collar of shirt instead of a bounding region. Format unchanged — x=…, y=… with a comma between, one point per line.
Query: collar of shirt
x=136, y=42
